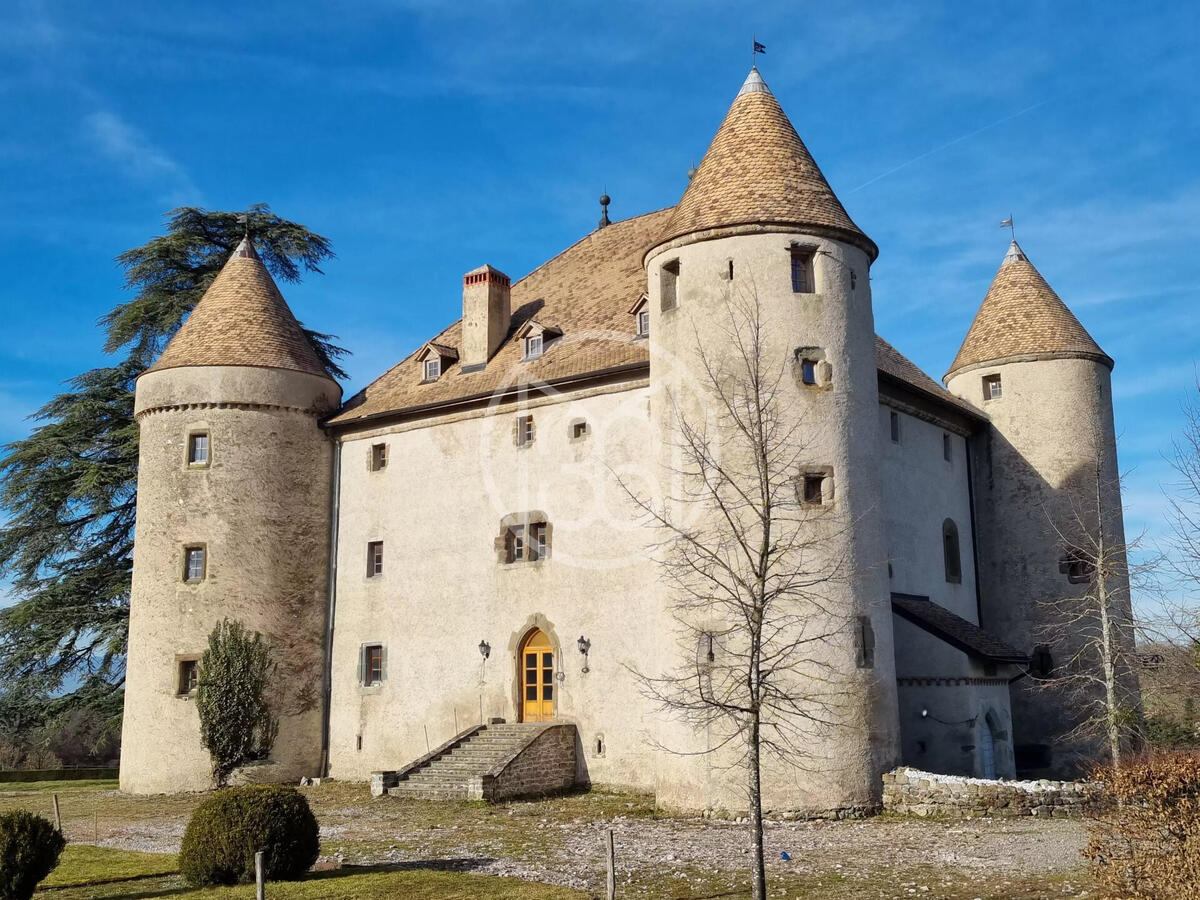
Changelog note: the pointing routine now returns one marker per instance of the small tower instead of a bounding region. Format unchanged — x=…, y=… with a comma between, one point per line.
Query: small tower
x=1046, y=386
x=233, y=521
x=759, y=220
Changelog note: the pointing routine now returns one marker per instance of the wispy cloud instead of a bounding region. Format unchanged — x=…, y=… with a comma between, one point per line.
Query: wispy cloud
x=138, y=157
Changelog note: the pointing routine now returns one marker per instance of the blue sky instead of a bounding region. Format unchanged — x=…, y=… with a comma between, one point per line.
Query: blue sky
x=426, y=138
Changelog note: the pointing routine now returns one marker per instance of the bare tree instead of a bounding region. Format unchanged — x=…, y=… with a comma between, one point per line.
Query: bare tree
x=1091, y=630
x=749, y=551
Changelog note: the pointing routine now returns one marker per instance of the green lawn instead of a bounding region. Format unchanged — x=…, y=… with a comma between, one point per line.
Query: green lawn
x=95, y=873
x=58, y=787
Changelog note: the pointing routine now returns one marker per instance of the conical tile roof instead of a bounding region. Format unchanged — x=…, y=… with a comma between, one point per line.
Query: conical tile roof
x=1021, y=316
x=758, y=171
x=242, y=320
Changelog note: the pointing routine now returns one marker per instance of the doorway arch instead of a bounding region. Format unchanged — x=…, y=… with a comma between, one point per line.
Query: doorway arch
x=535, y=677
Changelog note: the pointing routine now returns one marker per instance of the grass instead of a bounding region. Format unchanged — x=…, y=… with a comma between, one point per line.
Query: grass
x=97, y=873
x=58, y=787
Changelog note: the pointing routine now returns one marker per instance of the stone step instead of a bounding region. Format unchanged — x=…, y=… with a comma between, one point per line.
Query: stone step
x=419, y=792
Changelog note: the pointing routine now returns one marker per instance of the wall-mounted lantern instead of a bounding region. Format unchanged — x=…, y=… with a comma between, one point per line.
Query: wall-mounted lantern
x=584, y=646
x=485, y=649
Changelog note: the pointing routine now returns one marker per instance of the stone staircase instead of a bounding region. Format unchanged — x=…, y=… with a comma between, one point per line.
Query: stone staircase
x=489, y=762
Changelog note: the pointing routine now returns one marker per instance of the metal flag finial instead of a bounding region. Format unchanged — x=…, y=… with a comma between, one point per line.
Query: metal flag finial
x=1008, y=223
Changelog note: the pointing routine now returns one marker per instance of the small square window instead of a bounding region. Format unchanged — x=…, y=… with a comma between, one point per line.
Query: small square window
x=187, y=677
x=198, y=449
x=803, y=275
x=813, y=493
x=193, y=564
x=525, y=431
x=643, y=323
x=808, y=371
x=372, y=665
x=374, y=558
x=894, y=425
x=379, y=457
x=579, y=430
x=433, y=368
x=947, y=448
x=533, y=346
x=992, y=389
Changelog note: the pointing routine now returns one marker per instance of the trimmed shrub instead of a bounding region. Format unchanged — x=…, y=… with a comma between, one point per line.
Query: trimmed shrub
x=1145, y=833
x=29, y=851
x=231, y=825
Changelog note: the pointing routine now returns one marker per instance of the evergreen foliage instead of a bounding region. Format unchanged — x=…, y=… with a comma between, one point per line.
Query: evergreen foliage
x=29, y=851
x=230, y=826
x=236, y=724
x=68, y=491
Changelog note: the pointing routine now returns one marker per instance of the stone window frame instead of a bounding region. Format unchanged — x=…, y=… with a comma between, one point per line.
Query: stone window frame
x=993, y=387
x=192, y=661
x=524, y=431
x=364, y=679
x=513, y=545
x=668, y=284
x=188, y=550
x=377, y=456
x=578, y=430
x=374, y=559
x=951, y=551
x=825, y=485
x=822, y=370
x=189, y=448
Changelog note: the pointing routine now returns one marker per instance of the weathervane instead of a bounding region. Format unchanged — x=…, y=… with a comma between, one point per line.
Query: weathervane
x=1008, y=223
x=758, y=48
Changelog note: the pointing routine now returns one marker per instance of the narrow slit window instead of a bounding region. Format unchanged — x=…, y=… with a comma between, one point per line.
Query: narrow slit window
x=669, y=284
x=865, y=644
x=433, y=368
x=947, y=448
x=198, y=448
x=992, y=388
x=803, y=275
x=374, y=558
x=379, y=457
x=193, y=564
x=953, y=560
x=188, y=677
x=894, y=426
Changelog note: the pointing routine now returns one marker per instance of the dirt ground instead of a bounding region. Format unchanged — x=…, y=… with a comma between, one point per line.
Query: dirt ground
x=561, y=841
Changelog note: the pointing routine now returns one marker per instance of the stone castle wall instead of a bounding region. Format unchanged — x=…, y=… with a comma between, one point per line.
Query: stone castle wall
x=913, y=792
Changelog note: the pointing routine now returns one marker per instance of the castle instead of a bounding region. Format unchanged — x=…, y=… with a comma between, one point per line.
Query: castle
x=424, y=555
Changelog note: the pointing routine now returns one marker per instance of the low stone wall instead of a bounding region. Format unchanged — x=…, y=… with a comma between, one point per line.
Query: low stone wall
x=543, y=767
x=913, y=792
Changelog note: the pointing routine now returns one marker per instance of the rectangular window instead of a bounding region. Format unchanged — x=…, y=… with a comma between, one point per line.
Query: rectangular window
x=193, y=564
x=803, y=276
x=643, y=323
x=188, y=677
x=813, y=493
x=669, y=284
x=515, y=540
x=537, y=541
x=992, y=389
x=579, y=430
x=433, y=368
x=533, y=346
x=198, y=449
x=374, y=558
x=865, y=655
x=947, y=448
x=894, y=424
x=808, y=371
x=379, y=457
x=372, y=665
x=524, y=431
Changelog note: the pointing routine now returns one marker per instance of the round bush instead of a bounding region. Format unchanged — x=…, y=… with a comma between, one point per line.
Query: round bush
x=29, y=851
x=230, y=826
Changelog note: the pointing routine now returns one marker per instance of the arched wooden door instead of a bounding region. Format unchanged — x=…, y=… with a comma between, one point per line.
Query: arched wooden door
x=537, y=678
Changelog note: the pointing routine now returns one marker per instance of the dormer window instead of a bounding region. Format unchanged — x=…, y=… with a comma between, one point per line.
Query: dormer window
x=433, y=368
x=641, y=316
x=536, y=338
x=433, y=359
x=533, y=346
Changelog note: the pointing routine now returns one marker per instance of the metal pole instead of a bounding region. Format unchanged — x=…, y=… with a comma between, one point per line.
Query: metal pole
x=260, y=878
x=611, y=885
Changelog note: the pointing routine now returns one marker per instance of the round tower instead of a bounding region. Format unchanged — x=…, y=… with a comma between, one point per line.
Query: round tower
x=760, y=236
x=233, y=521
x=1045, y=477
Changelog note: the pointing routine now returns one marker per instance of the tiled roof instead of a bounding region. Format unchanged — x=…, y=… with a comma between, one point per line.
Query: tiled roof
x=1022, y=316
x=588, y=291
x=954, y=629
x=758, y=171
x=895, y=364
x=242, y=320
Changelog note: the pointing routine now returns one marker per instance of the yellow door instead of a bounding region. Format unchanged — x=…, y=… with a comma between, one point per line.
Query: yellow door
x=537, y=678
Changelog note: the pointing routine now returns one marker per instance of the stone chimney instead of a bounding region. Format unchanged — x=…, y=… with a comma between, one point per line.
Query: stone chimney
x=487, y=311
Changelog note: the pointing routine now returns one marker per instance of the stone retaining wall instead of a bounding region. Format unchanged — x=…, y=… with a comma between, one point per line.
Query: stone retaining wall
x=543, y=767
x=913, y=792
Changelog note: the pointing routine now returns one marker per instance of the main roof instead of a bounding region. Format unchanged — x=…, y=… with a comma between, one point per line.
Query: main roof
x=1022, y=317
x=587, y=292
x=758, y=171
x=242, y=320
